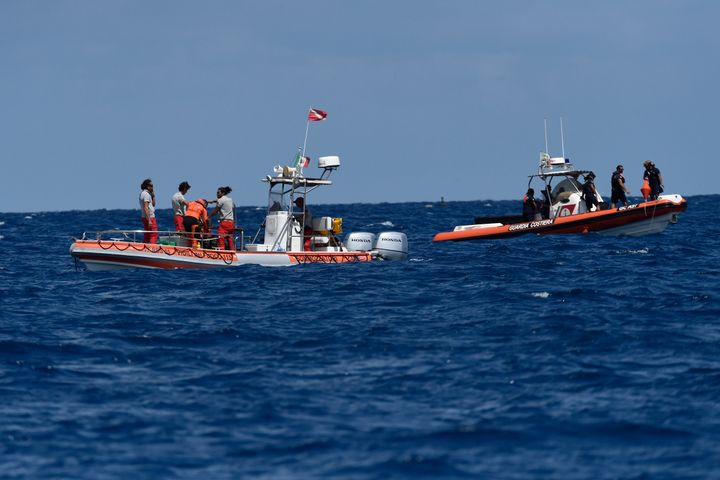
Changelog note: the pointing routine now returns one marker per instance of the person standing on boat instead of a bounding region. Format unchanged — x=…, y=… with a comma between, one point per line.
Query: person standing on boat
x=147, y=208
x=654, y=177
x=179, y=205
x=226, y=228
x=305, y=217
x=531, y=208
x=589, y=192
x=617, y=183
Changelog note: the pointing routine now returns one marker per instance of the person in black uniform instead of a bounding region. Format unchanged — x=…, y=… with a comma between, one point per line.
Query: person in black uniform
x=589, y=193
x=617, y=184
x=545, y=203
x=654, y=177
x=531, y=209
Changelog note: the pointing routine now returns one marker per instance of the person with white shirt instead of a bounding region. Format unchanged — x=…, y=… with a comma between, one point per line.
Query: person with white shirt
x=147, y=208
x=226, y=228
x=179, y=205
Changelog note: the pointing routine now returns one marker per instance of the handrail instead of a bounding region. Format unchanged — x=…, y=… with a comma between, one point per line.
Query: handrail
x=131, y=236
x=168, y=233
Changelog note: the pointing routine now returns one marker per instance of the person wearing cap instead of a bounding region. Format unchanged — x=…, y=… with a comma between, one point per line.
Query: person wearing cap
x=618, y=187
x=531, y=207
x=195, y=220
x=179, y=205
x=589, y=192
x=654, y=177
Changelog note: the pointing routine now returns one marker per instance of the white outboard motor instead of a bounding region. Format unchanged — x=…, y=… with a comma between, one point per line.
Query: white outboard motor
x=360, y=242
x=392, y=245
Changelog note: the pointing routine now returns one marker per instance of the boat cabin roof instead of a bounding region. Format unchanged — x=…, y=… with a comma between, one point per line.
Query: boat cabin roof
x=565, y=173
x=297, y=181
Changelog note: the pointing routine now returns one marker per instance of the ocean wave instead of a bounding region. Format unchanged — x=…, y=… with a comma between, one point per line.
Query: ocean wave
x=640, y=251
x=540, y=294
x=386, y=223
x=529, y=352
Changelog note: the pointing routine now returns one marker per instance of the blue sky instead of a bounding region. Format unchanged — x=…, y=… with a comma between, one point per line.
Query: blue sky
x=425, y=99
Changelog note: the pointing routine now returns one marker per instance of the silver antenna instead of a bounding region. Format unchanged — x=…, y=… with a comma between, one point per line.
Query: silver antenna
x=546, y=145
x=562, y=138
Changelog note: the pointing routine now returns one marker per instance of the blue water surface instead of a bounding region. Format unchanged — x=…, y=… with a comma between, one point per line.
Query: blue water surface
x=576, y=356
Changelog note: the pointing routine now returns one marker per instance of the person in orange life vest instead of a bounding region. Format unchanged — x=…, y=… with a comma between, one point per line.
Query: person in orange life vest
x=179, y=204
x=147, y=209
x=195, y=220
x=226, y=228
x=305, y=217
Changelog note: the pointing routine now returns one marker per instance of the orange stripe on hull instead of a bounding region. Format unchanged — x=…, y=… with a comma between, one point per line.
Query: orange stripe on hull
x=329, y=257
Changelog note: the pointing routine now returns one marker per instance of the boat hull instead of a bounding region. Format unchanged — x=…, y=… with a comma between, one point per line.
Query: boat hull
x=112, y=255
x=634, y=220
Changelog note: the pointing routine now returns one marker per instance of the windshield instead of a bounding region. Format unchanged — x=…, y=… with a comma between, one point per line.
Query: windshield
x=568, y=185
x=276, y=201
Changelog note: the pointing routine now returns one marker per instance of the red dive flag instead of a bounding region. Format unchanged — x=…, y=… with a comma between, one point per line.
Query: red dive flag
x=305, y=161
x=315, y=115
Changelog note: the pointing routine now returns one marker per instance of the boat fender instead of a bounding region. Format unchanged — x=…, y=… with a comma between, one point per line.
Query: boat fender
x=645, y=189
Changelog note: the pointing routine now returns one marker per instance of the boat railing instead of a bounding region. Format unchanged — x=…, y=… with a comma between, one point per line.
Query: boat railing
x=166, y=237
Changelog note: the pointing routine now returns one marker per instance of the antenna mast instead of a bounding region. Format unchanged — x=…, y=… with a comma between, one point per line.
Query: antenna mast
x=562, y=138
x=546, y=144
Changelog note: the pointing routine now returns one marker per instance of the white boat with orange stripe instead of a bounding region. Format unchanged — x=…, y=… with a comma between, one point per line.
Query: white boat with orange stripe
x=290, y=236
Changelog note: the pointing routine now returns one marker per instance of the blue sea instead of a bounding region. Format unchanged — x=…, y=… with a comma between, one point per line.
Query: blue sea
x=557, y=357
